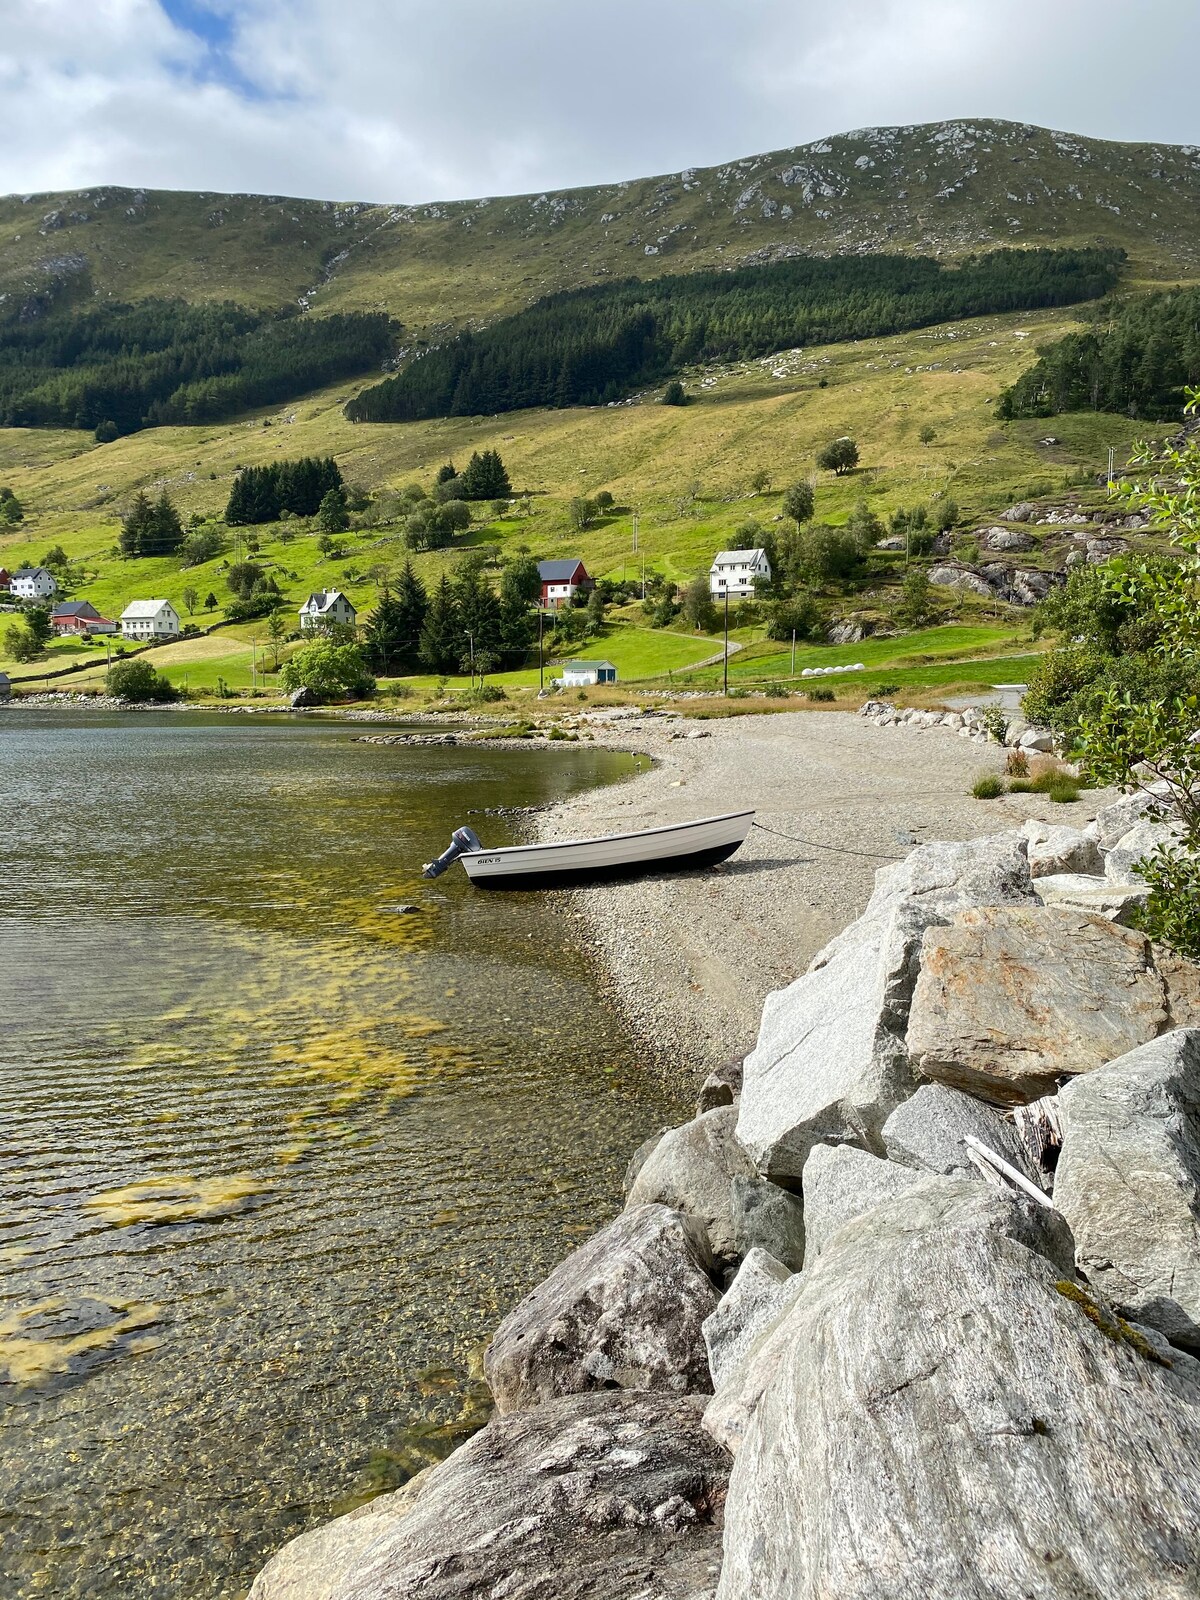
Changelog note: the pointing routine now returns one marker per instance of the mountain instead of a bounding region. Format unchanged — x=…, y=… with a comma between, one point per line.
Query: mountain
x=947, y=188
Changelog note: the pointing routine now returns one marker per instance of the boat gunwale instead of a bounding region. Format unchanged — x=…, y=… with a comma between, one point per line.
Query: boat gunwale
x=606, y=838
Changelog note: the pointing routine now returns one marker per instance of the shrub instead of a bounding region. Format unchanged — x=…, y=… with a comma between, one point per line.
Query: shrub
x=327, y=670
x=988, y=787
x=839, y=456
x=824, y=695
x=1016, y=764
x=674, y=394
x=139, y=682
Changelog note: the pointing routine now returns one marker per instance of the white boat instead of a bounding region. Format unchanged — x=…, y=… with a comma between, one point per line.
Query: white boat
x=678, y=846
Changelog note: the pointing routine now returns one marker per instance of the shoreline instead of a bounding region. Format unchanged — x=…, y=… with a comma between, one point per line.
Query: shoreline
x=690, y=958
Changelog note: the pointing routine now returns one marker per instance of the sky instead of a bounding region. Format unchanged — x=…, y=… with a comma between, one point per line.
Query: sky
x=411, y=100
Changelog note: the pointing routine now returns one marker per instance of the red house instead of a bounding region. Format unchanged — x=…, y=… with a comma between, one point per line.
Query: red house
x=5, y=578
x=79, y=617
x=562, y=581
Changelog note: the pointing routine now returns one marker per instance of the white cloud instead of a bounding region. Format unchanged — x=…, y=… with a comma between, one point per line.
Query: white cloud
x=411, y=99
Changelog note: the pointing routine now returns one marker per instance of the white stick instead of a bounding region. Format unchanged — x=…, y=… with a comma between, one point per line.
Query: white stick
x=1011, y=1173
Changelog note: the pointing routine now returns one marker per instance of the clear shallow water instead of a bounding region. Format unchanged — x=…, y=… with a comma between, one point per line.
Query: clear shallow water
x=273, y=1157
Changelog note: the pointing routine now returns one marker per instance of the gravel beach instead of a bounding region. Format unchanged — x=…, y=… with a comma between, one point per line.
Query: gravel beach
x=690, y=957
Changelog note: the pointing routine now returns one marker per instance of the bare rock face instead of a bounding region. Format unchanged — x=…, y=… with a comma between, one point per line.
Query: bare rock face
x=830, y=1063
x=949, y=1417
x=1006, y=539
x=762, y=1289
x=960, y=578
x=690, y=1170
x=597, y=1497
x=1056, y=850
x=1077, y=891
x=1115, y=820
x=1012, y=998
x=625, y=1311
x=840, y=1183
x=1128, y=1181
x=1142, y=839
x=929, y=1132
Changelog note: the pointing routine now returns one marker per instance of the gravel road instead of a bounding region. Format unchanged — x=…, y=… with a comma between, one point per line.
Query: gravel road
x=690, y=957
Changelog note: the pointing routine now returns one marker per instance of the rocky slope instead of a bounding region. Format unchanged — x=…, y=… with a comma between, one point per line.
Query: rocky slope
x=910, y=1307
x=948, y=188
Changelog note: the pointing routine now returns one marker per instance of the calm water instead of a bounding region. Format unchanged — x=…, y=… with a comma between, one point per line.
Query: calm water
x=273, y=1157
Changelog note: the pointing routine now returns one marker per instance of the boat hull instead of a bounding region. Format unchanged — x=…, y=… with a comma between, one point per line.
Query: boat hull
x=680, y=848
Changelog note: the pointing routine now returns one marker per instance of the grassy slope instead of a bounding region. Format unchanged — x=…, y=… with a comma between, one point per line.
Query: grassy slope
x=766, y=413
x=944, y=187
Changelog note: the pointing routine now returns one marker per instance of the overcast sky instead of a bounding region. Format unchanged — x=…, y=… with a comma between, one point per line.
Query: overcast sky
x=440, y=99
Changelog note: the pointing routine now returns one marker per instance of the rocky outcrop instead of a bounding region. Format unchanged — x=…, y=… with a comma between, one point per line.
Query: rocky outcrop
x=945, y=577
x=598, y=1497
x=625, y=1311
x=1073, y=891
x=1128, y=1181
x=1013, y=998
x=762, y=1289
x=1006, y=539
x=1145, y=837
x=840, y=1183
x=948, y=1416
x=929, y=1132
x=690, y=1169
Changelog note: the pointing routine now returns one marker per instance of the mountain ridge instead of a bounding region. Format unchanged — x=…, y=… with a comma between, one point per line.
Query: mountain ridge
x=946, y=188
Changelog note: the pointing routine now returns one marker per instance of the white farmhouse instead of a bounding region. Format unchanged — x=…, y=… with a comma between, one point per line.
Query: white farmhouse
x=733, y=572
x=145, y=620
x=325, y=607
x=32, y=583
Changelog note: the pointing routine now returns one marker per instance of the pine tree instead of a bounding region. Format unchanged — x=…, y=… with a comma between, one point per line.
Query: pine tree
x=165, y=531
x=137, y=526
x=412, y=604
x=441, y=634
x=478, y=619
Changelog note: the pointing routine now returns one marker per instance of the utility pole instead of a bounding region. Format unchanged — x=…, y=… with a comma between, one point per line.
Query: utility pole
x=541, y=657
x=635, y=532
x=1112, y=466
x=793, y=673
x=726, y=662
x=643, y=575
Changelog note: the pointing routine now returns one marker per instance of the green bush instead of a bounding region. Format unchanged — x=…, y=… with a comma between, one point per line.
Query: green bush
x=1169, y=915
x=823, y=695
x=328, y=670
x=139, y=682
x=988, y=787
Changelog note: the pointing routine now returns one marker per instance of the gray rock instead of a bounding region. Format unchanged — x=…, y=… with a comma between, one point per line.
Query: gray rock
x=830, y=1063
x=754, y=1300
x=1023, y=511
x=1006, y=539
x=1038, y=740
x=720, y=1088
x=1056, y=850
x=766, y=1217
x=598, y=1497
x=302, y=697
x=942, y=1418
x=1128, y=1181
x=894, y=541
x=1011, y=999
x=1142, y=839
x=625, y=1311
x=960, y=578
x=1114, y=821
x=929, y=1132
x=639, y=1159
x=690, y=1169
x=1072, y=891
x=840, y=1183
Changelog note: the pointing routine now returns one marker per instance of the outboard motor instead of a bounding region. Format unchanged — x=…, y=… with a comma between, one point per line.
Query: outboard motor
x=464, y=840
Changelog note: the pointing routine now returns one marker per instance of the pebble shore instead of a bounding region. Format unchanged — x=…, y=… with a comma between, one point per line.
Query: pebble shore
x=691, y=957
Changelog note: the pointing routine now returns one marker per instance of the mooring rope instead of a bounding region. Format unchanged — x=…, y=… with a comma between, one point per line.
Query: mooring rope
x=870, y=855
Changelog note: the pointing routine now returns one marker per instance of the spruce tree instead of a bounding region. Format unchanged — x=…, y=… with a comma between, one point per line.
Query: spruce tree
x=441, y=635
x=333, y=515
x=412, y=604
x=393, y=630
x=485, y=477
x=137, y=526
x=165, y=531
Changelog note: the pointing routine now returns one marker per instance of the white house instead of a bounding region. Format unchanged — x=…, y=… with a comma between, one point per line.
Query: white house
x=733, y=572
x=32, y=583
x=143, y=620
x=324, y=607
x=579, y=674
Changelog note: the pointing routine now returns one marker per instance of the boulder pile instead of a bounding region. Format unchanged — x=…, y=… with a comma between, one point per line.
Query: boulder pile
x=910, y=1307
x=970, y=724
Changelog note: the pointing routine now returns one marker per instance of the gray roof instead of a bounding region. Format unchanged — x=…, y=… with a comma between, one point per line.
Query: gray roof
x=559, y=571
x=31, y=572
x=587, y=666
x=323, y=599
x=736, y=558
x=76, y=608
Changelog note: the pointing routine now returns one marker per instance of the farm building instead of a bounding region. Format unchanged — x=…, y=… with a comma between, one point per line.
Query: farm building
x=79, y=617
x=733, y=572
x=581, y=674
x=562, y=581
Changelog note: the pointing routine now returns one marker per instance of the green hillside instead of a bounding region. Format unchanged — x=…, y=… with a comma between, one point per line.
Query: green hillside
x=947, y=189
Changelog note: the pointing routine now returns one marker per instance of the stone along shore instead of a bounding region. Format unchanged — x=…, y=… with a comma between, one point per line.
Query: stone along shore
x=910, y=1307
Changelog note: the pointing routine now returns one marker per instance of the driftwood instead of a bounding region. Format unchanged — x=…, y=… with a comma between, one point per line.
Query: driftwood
x=999, y=1173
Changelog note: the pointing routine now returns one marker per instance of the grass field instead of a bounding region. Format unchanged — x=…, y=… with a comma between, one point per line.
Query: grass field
x=684, y=471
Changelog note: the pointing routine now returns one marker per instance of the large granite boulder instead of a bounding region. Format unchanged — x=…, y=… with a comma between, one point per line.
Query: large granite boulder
x=830, y=1063
x=1055, y=850
x=766, y=1217
x=1146, y=836
x=625, y=1311
x=1006, y=539
x=948, y=1416
x=945, y=577
x=1128, y=1181
x=1077, y=891
x=1117, y=819
x=841, y=1182
x=762, y=1289
x=690, y=1170
x=596, y=1497
x=1011, y=999
x=929, y=1132
x=721, y=1087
